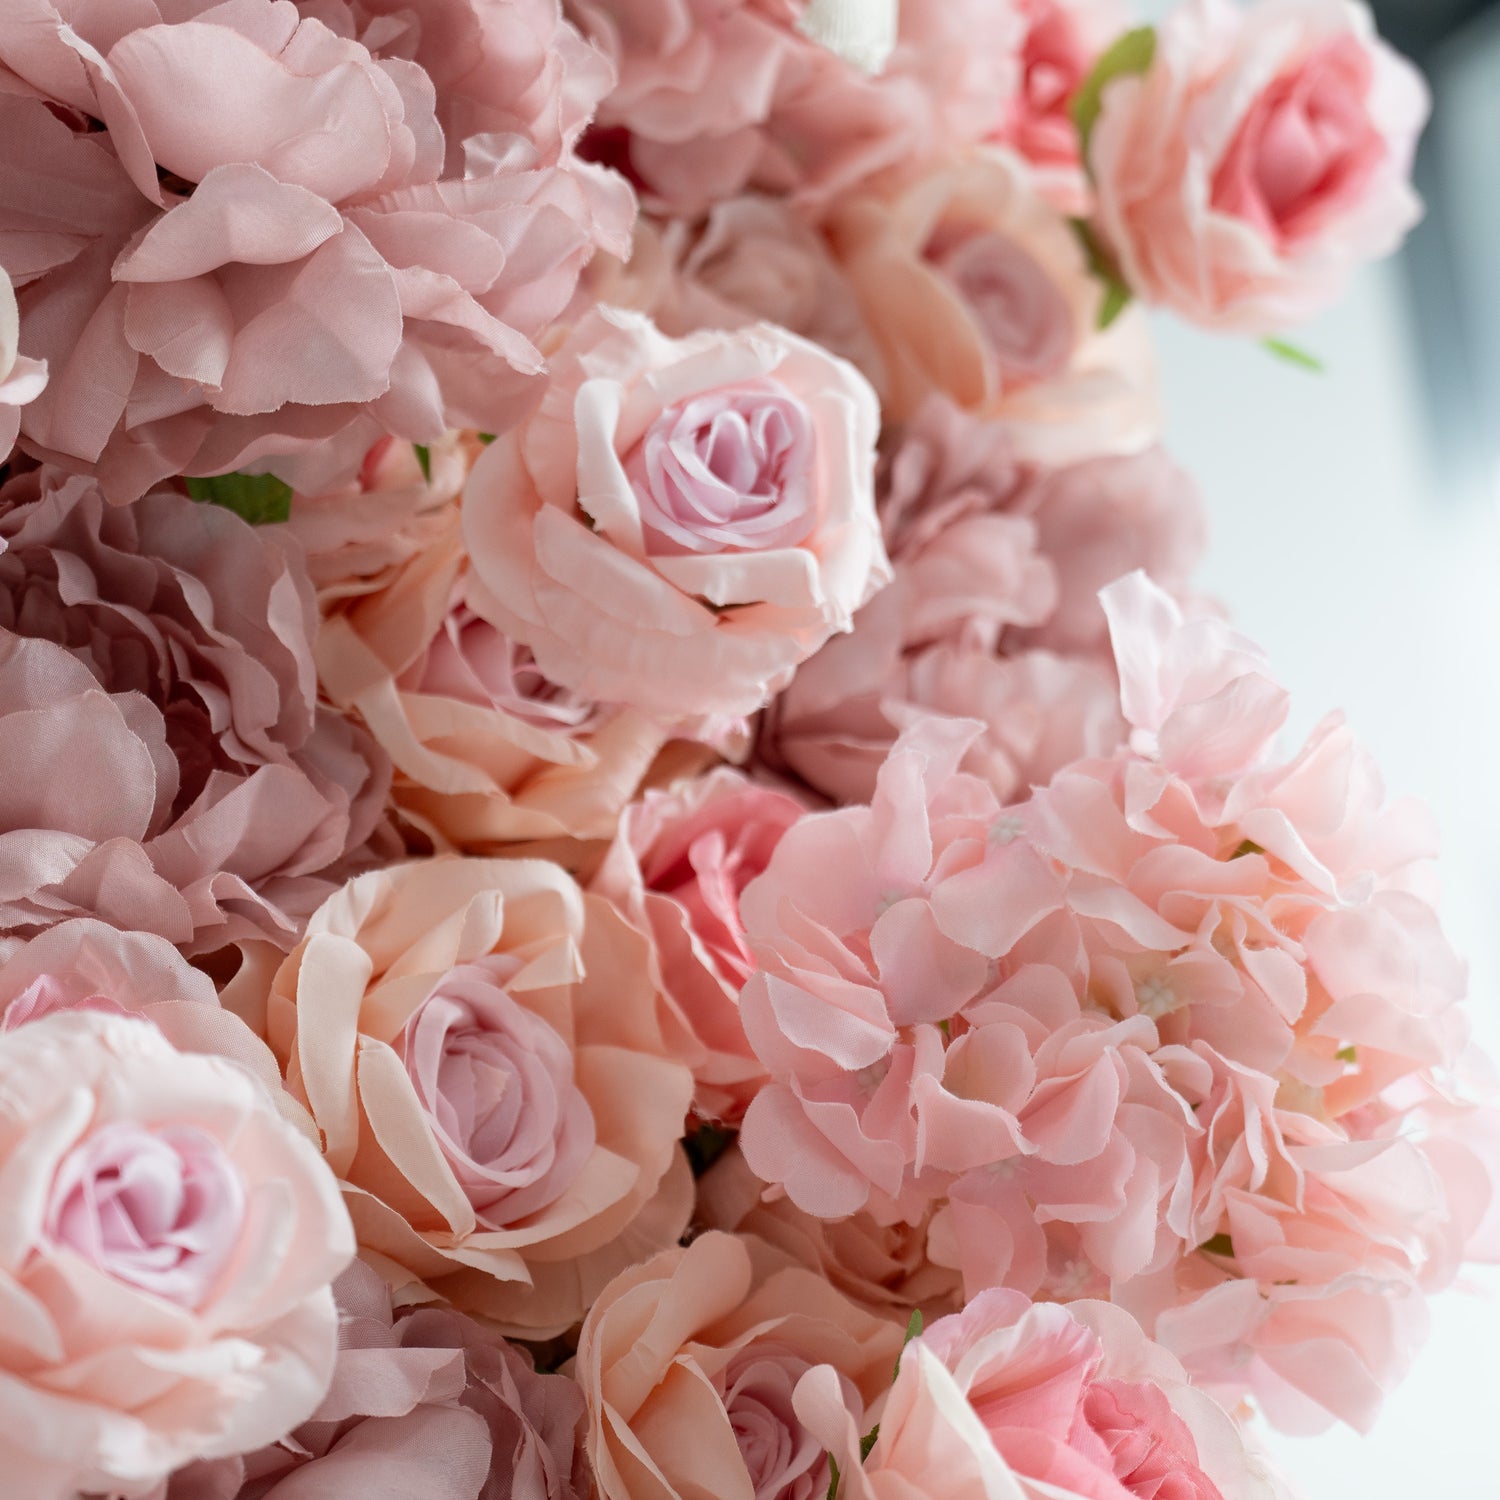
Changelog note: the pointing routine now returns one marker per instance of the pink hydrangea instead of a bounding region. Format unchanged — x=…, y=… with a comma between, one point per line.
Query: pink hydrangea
x=424, y=1401
x=163, y=653
x=992, y=615
x=1180, y=1029
x=298, y=228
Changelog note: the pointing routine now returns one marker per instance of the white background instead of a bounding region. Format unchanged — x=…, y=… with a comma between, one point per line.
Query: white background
x=1377, y=592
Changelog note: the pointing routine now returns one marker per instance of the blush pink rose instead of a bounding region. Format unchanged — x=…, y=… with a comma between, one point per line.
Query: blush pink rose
x=166, y=651
x=993, y=614
x=358, y=245
x=169, y=1248
x=1040, y=1402
x=479, y=1044
x=682, y=521
x=675, y=871
x=21, y=379
x=487, y=750
x=1264, y=156
x=423, y=1402
x=975, y=288
x=689, y=1362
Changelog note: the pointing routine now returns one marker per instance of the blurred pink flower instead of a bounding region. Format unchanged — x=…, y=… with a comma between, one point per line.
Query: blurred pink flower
x=422, y=1402
x=1011, y=1398
x=992, y=615
x=683, y=521
x=164, y=654
x=1262, y=158
x=21, y=380
x=169, y=1247
x=675, y=871
x=357, y=245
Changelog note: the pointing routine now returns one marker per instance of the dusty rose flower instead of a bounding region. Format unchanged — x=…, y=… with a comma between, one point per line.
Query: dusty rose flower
x=359, y=245
x=885, y=1267
x=675, y=871
x=487, y=749
x=975, y=288
x=169, y=1246
x=688, y=1364
x=1263, y=157
x=992, y=615
x=479, y=1045
x=1011, y=1398
x=422, y=1402
x=682, y=521
x=21, y=379
x=165, y=651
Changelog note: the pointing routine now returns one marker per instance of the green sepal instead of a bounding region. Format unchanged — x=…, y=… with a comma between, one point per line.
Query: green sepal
x=260, y=499
x=1293, y=354
x=1131, y=55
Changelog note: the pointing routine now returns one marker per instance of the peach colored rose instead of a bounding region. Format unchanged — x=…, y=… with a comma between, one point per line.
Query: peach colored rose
x=167, y=1257
x=675, y=871
x=688, y=1364
x=975, y=288
x=479, y=1044
x=1264, y=156
x=1038, y=1402
x=487, y=750
x=683, y=521
x=885, y=1267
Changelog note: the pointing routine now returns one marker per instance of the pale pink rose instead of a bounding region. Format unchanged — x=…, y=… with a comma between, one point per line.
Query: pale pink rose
x=1041, y=1403
x=165, y=652
x=675, y=871
x=993, y=614
x=170, y=1243
x=689, y=1362
x=487, y=749
x=422, y=1402
x=428, y=226
x=682, y=521
x=1264, y=156
x=21, y=379
x=884, y=1267
x=479, y=1044
x=974, y=287
x=84, y=965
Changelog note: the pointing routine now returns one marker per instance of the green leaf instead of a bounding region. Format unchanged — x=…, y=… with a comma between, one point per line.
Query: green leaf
x=1220, y=1244
x=1132, y=54
x=260, y=499
x=868, y=1441
x=833, y=1483
x=486, y=438
x=1348, y=1054
x=1117, y=296
x=424, y=460
x=913, y=1326
x=1248, y=847
x=1294, y=355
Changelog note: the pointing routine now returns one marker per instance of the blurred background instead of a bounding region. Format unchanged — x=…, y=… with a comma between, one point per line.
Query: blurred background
x=1355, y=533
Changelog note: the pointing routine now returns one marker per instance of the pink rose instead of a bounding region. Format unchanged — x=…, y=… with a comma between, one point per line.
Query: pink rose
x=689, y=1362
x=681, y=522
x=169, y=1247
x=487, y=749
x=428, y=226
x=675, y=871
x=1263, y=157
x=166, y=650
x=975, y=288
x=993, y=614
x=479, y=1045
x=1008, y=1397
x=422, y=1402
x=21, y=379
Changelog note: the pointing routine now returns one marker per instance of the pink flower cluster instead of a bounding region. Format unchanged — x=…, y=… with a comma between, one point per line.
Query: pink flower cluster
x=617, y=789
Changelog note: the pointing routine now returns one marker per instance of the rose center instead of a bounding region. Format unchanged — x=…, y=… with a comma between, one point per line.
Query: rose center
x=783, y=1461
x=732, y=469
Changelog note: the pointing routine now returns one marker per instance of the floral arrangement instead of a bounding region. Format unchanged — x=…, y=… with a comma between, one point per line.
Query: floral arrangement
x=633, y=870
